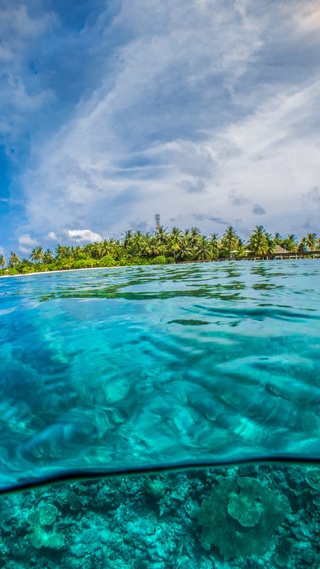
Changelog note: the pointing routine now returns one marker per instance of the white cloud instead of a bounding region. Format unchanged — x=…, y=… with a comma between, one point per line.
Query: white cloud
x=275, y=154
x=20, y=92
x=83, y=235
x=308, y=18
x=26, y=243
x=200, y=97
x=27, y=240
x=79, y=173
x=52, y=236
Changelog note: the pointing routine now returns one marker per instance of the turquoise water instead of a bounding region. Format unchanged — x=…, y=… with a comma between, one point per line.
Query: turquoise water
x=132, y=369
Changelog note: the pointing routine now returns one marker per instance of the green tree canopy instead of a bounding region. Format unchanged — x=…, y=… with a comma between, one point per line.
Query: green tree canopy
x=203, y=249
x=48, y=256
x=13, y=260
x=311, y=240
x=230, y=242
x=258, y=241
x=62, y=251
x=290, y=243
x=37, y=254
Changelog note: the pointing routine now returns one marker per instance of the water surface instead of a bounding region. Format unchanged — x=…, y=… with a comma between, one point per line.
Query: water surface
x=129, y=368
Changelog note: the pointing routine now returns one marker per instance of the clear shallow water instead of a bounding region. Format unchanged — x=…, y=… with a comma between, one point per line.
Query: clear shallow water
x=116, y=369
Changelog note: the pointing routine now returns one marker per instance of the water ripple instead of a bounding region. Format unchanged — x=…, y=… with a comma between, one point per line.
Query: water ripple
x=140, y=367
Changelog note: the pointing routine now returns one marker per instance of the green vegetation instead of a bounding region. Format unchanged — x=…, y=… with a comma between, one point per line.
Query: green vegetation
x=176, y=246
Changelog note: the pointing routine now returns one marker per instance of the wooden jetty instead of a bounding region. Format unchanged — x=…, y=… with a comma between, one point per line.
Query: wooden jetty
x=273, y=256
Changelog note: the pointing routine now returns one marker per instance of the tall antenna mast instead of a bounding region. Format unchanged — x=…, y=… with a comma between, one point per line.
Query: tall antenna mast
x=157, y=218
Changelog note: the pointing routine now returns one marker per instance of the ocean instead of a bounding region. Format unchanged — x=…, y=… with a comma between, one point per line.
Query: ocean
x=169, y=414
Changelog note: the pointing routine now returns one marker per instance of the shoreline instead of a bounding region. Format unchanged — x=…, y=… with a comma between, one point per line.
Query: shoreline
x=68, y=271
x=282, y=257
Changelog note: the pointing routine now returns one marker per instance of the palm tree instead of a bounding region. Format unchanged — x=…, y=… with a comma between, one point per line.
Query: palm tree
x=230, y=241
x=146, y=245
x=311, y=239
x=37, y=254
x=48, y=257
x=271, y=244
x=175, y=241
x=2, y=263
x=289, y=243
x=127, y=240
x=162, y=236
x=62, y=252
x=114, y=248
x=13, y=260
x=203, y=249
x=137, y=243
x=99, y=250
x=214, y=242
x=195, y=236
x=277, y=239
x=303, y=245
x=186, y=234
x=77, y=252
x=258, y=241
x=185, y=251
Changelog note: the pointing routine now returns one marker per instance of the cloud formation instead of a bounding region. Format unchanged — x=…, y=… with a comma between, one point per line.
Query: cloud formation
x=238, y=199
x=193, y=186
x=119, y=110
x=83, y=235
x=52, y=236
x=26, y=243
x=258, y=209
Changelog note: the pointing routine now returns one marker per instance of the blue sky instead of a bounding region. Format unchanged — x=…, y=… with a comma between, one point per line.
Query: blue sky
x=205, y=111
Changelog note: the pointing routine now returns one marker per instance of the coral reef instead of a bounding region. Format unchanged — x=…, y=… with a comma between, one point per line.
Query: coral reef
x=240, y=516
x=222, y=518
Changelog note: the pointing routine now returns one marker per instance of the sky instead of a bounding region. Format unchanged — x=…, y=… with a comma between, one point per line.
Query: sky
x=204, y=111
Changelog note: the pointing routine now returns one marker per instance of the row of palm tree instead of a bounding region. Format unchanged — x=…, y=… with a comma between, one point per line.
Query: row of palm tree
x=161, y=246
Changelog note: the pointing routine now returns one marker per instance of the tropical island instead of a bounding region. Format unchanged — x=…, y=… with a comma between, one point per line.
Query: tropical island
x=160, y=247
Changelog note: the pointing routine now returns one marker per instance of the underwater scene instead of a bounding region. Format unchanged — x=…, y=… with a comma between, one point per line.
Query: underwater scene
x=158, y=417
